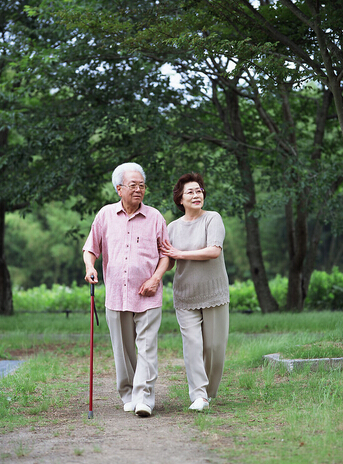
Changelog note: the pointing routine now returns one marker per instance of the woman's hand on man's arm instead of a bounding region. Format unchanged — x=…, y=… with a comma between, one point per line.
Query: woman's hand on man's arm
x=211, y=252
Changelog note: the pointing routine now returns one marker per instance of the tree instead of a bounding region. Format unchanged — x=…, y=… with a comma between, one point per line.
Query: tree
x=41, y=248
x=243, y=126
x=308, y=31
x=72, y=110
x=297, y=31
x=202, y=40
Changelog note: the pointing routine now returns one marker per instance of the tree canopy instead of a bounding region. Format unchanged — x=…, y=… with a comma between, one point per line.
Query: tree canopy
x=235, y=56
x=257, y=110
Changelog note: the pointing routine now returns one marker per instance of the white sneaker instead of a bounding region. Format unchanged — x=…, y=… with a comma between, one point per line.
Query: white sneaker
x=129, y=407
x=143, y=410
x=199, y=404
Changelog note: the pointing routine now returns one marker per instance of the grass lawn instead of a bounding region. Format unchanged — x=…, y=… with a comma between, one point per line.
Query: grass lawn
x=261, y=414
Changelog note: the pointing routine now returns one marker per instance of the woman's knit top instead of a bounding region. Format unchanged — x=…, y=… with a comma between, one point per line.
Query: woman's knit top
x=199, y=284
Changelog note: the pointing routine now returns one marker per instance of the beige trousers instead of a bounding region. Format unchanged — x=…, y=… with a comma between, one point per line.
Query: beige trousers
x=205, y=334
x=136, y=372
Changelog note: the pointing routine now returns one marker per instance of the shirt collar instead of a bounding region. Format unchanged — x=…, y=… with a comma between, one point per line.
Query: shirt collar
x=141, y=210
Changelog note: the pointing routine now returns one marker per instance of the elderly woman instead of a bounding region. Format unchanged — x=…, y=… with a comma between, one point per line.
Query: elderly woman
x=201, y=288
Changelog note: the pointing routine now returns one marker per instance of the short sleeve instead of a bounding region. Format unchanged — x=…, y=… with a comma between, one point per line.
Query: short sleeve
x=215, y=230
x=94, y=239
x=162, y=234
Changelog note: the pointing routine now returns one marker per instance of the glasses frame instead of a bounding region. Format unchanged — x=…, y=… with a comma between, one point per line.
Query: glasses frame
x=191, y=194
x=134, y=187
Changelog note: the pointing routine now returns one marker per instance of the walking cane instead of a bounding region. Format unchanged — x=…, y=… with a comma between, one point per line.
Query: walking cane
x=93, y=311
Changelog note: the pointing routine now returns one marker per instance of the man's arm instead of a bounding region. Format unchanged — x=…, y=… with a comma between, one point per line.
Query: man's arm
x=89, y=260
x=149, y=288
x=171, y=264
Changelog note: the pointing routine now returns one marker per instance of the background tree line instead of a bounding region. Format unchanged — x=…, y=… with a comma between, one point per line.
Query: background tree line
x=258, y=112
x=45, y=246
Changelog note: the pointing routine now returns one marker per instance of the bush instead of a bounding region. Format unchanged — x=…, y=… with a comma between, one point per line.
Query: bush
x=278, y=288
x=168, y=301
x=325, y=291
x=60, y=298
x=243, y=297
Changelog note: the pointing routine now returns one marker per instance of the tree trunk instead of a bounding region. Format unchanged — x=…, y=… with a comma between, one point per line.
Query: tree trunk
x=335, y=253
x=301, y=254
x=266, y=300
x=297, y=249
x=6, y=301
x=312, y=252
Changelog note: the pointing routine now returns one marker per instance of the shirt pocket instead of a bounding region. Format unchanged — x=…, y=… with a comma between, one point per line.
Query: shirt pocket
x=147, y=248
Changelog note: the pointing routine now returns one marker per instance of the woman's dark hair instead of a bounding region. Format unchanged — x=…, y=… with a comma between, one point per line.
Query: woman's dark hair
x=178, y=189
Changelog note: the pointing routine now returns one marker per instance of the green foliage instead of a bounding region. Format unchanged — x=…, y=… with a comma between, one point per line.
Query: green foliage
x=168, y=297
x=68, y=72
x=243, y=297
x=278, y=287
x=61, y=298
x=54, y=235
x=57, y=299
x=326, y=290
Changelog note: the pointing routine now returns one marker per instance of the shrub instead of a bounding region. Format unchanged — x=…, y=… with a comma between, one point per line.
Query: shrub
x=63, y=298
x=243, y=297
x=325, y=291
x=168, y=302
x=57, y=299
x=278, y=288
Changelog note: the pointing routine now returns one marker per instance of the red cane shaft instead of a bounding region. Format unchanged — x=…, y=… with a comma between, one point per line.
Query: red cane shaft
x=90, y=413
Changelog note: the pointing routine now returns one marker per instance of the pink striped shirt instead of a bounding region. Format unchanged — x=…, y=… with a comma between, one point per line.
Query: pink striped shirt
x=130, y=254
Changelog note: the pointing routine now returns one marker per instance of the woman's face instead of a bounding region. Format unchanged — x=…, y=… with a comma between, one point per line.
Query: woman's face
x=192, y=197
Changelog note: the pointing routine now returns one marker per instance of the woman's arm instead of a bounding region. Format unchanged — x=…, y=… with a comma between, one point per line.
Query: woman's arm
x=211, y=252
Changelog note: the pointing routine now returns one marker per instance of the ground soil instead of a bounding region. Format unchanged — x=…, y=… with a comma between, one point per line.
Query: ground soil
x=114, y=436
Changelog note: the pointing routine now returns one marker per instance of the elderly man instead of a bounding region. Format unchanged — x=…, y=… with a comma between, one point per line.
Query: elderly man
x=128, y=234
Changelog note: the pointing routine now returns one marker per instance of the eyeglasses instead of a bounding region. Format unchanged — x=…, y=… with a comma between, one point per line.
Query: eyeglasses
x=134, y=186
x=191, y=193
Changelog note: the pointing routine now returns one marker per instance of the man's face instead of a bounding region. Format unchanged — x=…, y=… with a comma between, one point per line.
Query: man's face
x=131, y=198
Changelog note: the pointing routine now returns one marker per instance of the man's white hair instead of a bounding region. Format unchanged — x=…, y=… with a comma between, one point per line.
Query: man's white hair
x=118, y=173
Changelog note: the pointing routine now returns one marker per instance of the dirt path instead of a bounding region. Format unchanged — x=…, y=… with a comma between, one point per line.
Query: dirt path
x=167, y=437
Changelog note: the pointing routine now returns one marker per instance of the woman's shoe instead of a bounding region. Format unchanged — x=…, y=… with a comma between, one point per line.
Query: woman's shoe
x=143, y=410
x=129, y=407
x=200, y=404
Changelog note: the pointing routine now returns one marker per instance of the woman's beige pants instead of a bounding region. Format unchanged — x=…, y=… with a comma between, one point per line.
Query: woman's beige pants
x=204, y=335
